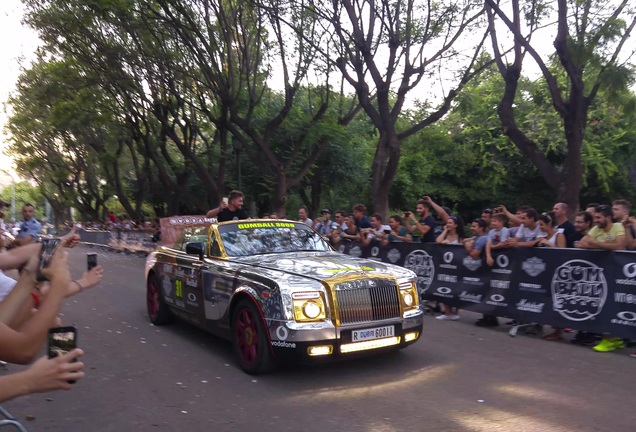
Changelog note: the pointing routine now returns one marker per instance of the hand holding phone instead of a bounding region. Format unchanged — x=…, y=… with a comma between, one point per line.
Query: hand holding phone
x=56, y=374
x=61, y=341
x=46, y=255
x=91, y=260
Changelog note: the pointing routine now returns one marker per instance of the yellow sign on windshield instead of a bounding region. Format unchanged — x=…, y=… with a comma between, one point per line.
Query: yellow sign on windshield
x=253, y=225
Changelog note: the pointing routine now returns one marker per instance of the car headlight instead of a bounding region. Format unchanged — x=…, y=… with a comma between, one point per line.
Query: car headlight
x=308, y=306
x=408, y=299
x=408, y=294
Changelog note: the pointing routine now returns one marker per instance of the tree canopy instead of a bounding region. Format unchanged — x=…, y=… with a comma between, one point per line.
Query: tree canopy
x=169, y=104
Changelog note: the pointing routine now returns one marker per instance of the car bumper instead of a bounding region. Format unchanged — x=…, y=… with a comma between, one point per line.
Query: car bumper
x=326, y=342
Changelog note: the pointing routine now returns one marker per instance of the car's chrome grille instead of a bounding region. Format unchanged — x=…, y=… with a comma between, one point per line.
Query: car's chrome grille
x=367, y=300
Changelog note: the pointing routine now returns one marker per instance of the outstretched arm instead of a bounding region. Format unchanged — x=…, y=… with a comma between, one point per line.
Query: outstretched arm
x=22, y=346
x=44, y=375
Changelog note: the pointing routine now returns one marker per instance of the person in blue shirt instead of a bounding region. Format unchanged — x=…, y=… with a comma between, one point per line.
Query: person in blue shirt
x=30, y=228
x=475, y=246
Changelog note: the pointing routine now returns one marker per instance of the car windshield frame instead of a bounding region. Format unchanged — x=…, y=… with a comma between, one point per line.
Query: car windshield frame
x=260, y=237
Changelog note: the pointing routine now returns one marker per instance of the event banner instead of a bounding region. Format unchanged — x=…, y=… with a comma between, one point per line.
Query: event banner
x=582, y=289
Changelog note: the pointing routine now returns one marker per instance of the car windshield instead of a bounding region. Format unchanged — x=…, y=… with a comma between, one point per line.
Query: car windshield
x=248, y=238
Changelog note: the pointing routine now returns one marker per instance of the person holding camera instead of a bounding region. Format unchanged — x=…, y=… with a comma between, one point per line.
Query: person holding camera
x=46, y=374
x=396, y=232
x=230, y=208
x=424, y=227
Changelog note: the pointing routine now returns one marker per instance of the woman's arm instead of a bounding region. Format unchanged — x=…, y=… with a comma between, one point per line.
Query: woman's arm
x=21, y=347
x=44, y=375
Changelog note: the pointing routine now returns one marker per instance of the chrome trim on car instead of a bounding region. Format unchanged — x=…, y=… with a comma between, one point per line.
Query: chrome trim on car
x=367, y=300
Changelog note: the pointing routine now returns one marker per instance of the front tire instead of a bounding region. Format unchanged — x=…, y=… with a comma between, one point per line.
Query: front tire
x=158, y=311
x=249, y=339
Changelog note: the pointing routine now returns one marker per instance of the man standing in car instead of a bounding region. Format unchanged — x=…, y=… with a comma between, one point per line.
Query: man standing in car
x=230, y=210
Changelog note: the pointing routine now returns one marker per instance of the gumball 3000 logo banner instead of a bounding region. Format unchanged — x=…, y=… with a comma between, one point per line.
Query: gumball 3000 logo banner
x=579, y=290
x=586, y=290
x=422, y=264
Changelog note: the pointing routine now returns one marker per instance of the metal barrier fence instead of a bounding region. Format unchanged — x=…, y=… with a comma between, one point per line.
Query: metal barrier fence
x=134, y=241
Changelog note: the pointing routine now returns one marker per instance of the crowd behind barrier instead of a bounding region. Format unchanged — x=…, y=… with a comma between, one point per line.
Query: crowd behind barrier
x=586, y=290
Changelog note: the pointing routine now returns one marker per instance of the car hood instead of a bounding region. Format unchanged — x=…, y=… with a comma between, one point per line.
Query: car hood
x=326, y=265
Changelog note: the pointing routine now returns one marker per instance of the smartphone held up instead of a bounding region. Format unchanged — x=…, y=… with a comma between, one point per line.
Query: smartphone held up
x=46, y=254
x=61, y=341
x=91, y=260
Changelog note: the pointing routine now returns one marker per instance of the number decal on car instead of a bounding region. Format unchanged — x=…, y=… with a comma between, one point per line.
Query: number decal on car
x=178, y=288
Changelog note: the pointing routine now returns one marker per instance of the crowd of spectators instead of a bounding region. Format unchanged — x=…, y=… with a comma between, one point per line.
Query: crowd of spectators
x=607, y=227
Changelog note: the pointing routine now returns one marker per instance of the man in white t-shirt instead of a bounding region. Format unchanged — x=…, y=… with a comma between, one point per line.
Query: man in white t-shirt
x=303, y=216
x=378, y=231
x=528, y=232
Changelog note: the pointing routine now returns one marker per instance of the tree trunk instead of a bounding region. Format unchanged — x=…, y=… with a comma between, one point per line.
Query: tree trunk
x=383, y=170
x=279, y=198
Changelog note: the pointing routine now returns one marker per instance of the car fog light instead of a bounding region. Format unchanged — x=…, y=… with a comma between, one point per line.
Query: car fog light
x=411, y=336
x=311, y=310
x=320, y=350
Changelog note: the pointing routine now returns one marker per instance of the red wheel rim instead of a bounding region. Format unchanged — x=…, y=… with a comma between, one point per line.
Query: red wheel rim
x=153, y=299
x=246, y=333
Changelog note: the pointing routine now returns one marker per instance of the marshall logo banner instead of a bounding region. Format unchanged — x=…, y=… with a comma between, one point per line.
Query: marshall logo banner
x=581, y=289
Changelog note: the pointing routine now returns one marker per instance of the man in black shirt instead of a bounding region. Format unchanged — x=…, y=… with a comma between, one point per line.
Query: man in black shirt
x=560, y=209
x=424, y=227
x=232, y=209
x=359, y=217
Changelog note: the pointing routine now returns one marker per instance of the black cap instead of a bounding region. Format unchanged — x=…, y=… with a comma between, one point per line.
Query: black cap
x=325, y=210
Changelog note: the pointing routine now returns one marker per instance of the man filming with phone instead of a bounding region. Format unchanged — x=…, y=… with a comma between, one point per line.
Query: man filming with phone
x=230, y=209
x=424, y=227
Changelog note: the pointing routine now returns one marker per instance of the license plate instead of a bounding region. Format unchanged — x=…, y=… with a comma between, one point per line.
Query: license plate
x=372, y=333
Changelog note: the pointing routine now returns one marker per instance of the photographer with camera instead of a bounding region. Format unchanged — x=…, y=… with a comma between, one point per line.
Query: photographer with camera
x=424, y=227
x=396, y=232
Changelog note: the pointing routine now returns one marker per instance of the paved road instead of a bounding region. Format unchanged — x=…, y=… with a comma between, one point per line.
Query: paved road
x=457, y=378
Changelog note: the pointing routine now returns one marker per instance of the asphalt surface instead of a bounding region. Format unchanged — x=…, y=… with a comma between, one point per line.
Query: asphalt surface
x=458, y=377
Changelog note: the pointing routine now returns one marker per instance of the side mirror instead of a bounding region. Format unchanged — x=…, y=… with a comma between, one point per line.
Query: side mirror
x=196, y=248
